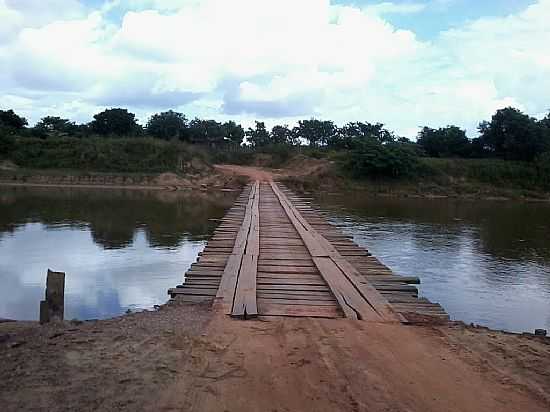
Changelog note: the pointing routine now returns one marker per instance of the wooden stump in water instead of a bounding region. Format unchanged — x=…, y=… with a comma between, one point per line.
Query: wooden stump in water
x=53, y=307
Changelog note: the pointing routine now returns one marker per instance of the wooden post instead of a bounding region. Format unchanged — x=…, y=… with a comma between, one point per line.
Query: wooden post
x=53, y=307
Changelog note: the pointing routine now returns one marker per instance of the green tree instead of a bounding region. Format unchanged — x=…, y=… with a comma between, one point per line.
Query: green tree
x=444, y=142
x=514, y=135
x=52, y=126
x=9, y=120
x=7, y=144
x=360, y=130
x=282, y=135
x=316, y=132
x=167, y=125
x=208, y=132
x=233, y=132
x=117, y=122
x=370, y=158
x=545, y=122
x=544, y=125
x=259, y=136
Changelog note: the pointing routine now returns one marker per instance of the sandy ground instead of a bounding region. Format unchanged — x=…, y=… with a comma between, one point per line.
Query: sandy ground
x=186, y=358
x=254, y=173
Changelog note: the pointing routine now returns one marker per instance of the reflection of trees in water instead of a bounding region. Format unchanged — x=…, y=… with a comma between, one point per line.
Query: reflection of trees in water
x=114, y=216
x=511, y=230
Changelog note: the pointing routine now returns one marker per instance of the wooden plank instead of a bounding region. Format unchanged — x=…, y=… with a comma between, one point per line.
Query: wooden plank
x=201, y=285
x=275, y=275
x=296, y=301
x=193, y=298
x=191, y=291
x=228, y=284
x=253, y=239
x=351, y=302
x=272, y=287
x=244, y=305
x=205, y=271
x=285, y=256
x=374, y=300
x=286, y=269
x=324, y=297
x=288, y=262
x=314, y=281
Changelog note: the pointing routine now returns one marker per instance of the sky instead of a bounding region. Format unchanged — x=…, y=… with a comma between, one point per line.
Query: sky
x=403, y=63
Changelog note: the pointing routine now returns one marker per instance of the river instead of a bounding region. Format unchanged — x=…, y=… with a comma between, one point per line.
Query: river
x=486, y=262
x=120, y=250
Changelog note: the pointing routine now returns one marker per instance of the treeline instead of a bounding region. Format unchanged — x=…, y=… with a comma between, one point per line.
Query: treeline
x=367, y=149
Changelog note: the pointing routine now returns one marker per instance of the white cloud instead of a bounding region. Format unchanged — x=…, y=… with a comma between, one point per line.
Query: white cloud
x=389, y=7
x=274, y=60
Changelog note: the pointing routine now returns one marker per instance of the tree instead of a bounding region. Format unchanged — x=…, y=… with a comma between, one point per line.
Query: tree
x=233, y=132
x=544, y=124
x=10, y=120
x=370, y=158
x=368, y=130
x=167, y=125
x=54, y=126
x=258, y=137
x=444, y=142
x=118, y=122
x=514, y=135
x=7, y=144
x=282, y=135
x=316, y=132
x=208, y=132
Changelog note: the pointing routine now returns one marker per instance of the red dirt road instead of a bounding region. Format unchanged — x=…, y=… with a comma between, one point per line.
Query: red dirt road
x=186, y=358
x=341, y=365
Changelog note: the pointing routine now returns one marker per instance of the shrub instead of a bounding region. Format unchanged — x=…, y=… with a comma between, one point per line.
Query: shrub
x=110, y=155
x=372, y=159
x=7, y=144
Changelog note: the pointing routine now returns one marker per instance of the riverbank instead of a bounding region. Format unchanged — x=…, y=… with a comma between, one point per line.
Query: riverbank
x=322, y=176
x=207, y=179
x=452, y=178
x=472, y=179
x=184, y=357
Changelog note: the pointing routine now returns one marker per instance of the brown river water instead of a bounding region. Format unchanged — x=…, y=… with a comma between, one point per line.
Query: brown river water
x=485, y=262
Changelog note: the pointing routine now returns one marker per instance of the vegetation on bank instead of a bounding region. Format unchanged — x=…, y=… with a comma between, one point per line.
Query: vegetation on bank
x=511, y=149
x=106, y=155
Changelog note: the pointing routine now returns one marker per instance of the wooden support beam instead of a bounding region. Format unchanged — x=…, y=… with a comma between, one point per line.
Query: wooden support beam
x=53, y=307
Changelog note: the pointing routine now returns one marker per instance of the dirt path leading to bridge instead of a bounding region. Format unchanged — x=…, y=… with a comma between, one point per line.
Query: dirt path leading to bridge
x=185, y=358
x=253, y=173
x=341, y=365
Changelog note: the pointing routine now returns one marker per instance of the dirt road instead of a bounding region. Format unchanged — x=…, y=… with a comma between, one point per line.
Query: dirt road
x=185, y=358
x=253, y=173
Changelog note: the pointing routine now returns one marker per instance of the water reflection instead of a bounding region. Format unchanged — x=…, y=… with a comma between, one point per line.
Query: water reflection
x=120, y=249
x=485, y=262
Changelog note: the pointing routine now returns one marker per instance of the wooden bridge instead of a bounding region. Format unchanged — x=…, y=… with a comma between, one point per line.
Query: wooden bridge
x=274, y=255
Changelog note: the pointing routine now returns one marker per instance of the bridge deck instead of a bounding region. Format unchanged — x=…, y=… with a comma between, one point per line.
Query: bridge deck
x=273, y=255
